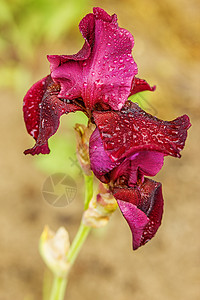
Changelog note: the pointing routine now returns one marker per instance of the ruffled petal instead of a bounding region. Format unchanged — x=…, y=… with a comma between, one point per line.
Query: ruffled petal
x=102, y=72
x=99, y=160
x=142, y=207
x=86, y=27
x=140, y=85
x=42, y=110
x=132, y=130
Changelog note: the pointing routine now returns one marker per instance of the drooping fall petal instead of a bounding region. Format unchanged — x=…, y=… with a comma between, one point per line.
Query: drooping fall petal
x=132, y=130
x=102, y=72
x=142, y=207
x=42, y=110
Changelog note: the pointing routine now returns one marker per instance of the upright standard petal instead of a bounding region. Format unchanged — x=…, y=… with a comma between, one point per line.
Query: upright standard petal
x=42, y=110
x=142, y=207
x=103, y=70
x=132, y=130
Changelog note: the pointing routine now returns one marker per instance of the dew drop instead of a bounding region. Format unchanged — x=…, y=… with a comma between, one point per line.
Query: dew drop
x=106, y=98
x=106, y=135
x=121, y=67
x=111, y=68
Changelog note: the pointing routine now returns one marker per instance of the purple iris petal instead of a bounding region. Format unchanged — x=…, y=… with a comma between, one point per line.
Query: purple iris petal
x=139, y=164
x=42, y=110
x=136, y=166
x=142, y=207
x=99, y=160
x=132, y=130
x=103, y=71
x=136, y=219
x=139, y=85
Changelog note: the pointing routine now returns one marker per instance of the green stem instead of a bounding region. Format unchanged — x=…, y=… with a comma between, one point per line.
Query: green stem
x=58, y=288
x=88, y=190
x=83, y=230
x=59, y=284
x=78, y=241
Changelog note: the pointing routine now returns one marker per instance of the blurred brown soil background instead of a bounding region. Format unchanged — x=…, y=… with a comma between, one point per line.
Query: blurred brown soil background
x=167, y=51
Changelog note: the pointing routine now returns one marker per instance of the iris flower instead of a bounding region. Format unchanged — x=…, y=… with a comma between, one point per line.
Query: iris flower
x=101, y=76
x=127, y=143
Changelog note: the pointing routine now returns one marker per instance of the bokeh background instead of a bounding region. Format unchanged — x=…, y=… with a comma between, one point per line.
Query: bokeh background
x=167, y=51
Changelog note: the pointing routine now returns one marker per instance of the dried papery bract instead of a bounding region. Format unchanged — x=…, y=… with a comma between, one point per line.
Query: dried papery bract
x=83, y=134
x=100, y=208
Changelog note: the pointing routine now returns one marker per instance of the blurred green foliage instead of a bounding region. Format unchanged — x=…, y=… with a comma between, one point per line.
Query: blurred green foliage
x=27, y=29
x=26, y=25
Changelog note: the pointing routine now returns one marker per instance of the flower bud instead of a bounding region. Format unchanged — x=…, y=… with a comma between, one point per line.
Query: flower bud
x=54, y=248
x=100, y=208
x=83, y=134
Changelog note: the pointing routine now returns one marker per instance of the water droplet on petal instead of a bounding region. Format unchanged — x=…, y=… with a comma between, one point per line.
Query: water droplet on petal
x=111, y=68
x=122, y=67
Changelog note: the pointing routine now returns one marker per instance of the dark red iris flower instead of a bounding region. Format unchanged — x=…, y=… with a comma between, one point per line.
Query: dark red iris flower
x=127, y=143
x=126, y=146
x=100, y=76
